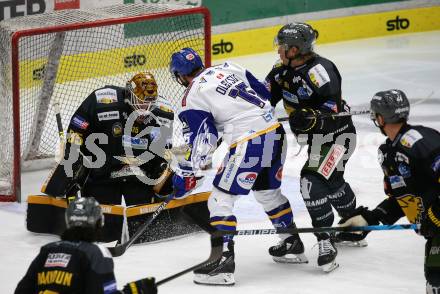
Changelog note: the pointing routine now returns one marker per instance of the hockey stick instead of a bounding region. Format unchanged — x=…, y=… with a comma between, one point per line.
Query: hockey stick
x=216, y=253
x=120, y=249
x=327, y=115
x=318, y=230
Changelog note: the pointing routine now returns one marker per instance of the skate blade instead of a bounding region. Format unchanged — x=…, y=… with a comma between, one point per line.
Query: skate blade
x=291, y=258
x=361, y=243
x=222, y=279
x=329, y=267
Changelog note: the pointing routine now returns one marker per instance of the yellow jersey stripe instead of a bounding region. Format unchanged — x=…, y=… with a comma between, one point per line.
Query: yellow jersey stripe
x=225, y=223
x=254, y=135
x=281, y=213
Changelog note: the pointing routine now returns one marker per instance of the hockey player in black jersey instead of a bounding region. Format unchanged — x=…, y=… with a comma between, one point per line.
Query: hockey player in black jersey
x=310, y=85
x=75, y=264
x=410, y=160
x=123, y=131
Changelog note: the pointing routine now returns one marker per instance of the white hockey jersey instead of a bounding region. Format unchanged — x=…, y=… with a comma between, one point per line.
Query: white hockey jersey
x=224, y=98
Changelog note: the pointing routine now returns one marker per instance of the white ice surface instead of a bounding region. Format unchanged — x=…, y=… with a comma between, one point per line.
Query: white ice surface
x=393, y=261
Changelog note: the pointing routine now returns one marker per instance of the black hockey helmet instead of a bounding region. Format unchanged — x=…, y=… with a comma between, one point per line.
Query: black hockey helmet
x=84, y=212
x=297, y=34
x=392, y=105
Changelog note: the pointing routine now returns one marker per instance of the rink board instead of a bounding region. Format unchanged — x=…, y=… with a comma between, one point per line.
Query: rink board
x=331, y=30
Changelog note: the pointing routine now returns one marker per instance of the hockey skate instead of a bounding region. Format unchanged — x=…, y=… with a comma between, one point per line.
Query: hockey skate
x=290, y=250
x=327, y=254
x=219, y=272
x=340, y=242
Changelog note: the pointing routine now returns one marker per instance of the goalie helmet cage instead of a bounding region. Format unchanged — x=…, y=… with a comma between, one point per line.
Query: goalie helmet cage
x=63, y=56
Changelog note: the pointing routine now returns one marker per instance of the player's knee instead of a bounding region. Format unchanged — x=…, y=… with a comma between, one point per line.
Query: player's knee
x=221, y=203
x=270, y=199
x=343, y=200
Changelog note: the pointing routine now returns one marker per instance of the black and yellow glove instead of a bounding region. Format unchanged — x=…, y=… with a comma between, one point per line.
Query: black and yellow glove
x=143, y=286
x=430, y=223
x=360, y=217
x=303, y=119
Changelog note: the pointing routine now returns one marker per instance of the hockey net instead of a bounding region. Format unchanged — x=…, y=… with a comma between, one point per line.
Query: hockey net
x=64, y=55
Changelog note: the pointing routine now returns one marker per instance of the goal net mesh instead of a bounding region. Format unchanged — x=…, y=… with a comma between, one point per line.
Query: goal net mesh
x=88, y=50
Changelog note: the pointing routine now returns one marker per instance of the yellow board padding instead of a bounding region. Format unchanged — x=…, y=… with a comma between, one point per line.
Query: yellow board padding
x=331, y=30
x=149, y=208
x=110, y=62
x=61, y=202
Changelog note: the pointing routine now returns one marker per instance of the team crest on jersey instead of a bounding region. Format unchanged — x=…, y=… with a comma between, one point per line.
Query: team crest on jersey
x=410, y=138
x=117, y=129
x=246, y=179
x=318, y=75
x=202, y=80
x=412, y=206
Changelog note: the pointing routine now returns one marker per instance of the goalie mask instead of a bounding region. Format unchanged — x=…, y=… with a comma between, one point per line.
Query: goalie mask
x=142, y=91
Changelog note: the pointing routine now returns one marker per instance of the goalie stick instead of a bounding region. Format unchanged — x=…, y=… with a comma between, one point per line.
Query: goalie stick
x=327, y=115
x=318, y=230
x=120, y=249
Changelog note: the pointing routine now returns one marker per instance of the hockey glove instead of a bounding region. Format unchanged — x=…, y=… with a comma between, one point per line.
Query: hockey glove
x=360, y=217
x=184, y=181
x=430, y=223
x=143, y=286
x=303, y=119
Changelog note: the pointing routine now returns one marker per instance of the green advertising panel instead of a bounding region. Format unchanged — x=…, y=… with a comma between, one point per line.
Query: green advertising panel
x=228, y=11
x=224, y=12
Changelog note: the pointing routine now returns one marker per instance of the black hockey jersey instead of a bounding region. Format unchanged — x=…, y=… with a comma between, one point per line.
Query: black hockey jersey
x=105, y=114
x=70, y=267
x=411, y=166
x=316, y=85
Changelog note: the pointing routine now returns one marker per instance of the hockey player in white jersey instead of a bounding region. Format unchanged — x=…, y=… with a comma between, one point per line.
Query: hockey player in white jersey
x=230, y=99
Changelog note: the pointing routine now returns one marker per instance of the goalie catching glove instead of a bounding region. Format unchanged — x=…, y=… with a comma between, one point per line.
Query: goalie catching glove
x=303, y=119
x=143, y=286
x=360, y=217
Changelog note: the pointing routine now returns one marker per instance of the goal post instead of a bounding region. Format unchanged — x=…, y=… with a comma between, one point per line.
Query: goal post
x=62, y=56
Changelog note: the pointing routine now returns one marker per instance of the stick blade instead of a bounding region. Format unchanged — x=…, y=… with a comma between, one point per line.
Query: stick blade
x=117, y=251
